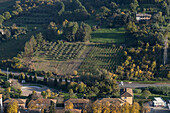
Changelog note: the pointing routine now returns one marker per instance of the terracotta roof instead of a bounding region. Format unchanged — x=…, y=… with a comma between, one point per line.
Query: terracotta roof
x=111, y=100
x=20, y=101
x=43, y=101
x=78, y=101
x=126, y=92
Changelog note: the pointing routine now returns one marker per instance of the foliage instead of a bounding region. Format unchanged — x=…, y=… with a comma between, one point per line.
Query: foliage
x=164, y=90
x=12, y=107
x=146, y=94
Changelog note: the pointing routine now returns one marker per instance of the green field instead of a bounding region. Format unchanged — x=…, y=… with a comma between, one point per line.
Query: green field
x=108, y=35
x=11, y=48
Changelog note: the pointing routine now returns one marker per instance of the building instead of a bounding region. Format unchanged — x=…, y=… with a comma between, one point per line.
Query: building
x=144, y=17
x=111, y=101
x=159, y=102
x=126, y=95
x=21, y=102
x=78, y=103
x=41, y=103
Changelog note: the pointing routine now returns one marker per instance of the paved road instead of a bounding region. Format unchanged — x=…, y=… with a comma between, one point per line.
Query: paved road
x=138, y=85
x=132, y=85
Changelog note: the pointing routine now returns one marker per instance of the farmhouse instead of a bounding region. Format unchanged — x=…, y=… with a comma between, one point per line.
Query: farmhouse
x=41, y=103
x=143, y=17
x=21, y=103
x=126, y=94
x=159, y=102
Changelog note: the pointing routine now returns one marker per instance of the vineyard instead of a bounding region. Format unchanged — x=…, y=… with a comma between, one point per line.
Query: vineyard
x=66, y=51
x=102, y=56
x=62, y=58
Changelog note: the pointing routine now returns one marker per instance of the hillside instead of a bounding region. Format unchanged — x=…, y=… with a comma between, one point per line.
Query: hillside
x=85, y=36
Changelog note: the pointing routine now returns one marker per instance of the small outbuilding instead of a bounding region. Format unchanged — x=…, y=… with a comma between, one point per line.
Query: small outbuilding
x=159, y=102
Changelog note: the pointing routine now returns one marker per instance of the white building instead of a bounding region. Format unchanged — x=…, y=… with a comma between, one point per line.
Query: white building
x=143, y=17
x=159, y=102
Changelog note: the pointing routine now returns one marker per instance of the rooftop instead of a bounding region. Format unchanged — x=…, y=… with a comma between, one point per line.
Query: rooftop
x=126, y=92
x=78, y=100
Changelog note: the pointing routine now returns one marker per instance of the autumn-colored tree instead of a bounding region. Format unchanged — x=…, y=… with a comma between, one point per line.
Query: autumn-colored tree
x=43, y=93
x=106, y=107
x=97, y=107
x=126, y=108
x=12, y=107
x=135, y=108
x=69, y=105
x=48, y=92
x=146, y=109
x=8, y=89
x=75, y=72
x=115, y=108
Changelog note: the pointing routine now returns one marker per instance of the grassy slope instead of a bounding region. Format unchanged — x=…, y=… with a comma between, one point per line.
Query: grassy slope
x=108, y=35
x=11, y=48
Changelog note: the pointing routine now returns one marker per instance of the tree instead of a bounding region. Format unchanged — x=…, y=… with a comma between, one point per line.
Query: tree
x=52, y=107
x=71, y=93
x=69, y=105
x=75, y=72
x=48, y=93
x=30, y=46
x=30, y=78
x=81, y=87
x=19, y=92
x=8, y=89
x=43, y=93
x=146, y=94
x=12, y=107
x=35, y=78
x=83, y=33
x=7, y=15
x=106, y=107
x=69, y=31
x=97, y=107
x=26, y=78
x=131, y=27
x=125, y=108
x=135, y=108
x=146, y=109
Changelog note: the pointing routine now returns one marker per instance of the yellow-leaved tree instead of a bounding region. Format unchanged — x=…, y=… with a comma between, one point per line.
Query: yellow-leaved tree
x=69, y=105
x=135, y=108
x=97, y=107
x=12, y=107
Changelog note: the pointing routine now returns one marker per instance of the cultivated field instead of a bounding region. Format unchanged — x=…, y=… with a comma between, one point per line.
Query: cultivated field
x=102, y=56
x=59, y=58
